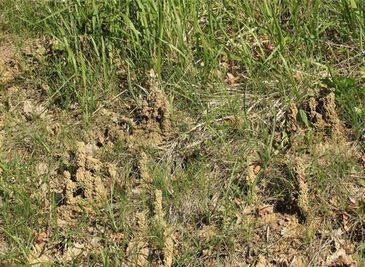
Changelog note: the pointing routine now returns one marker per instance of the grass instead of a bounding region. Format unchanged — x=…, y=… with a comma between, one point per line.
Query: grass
x=229, y=73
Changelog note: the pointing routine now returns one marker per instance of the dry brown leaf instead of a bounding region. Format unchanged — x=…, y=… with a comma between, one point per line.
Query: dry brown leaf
x=340, y=259
x=74, y=251
x=42, y=237
x=256, y=169
x=232, y=79
x=30, y=110
x=345, y=222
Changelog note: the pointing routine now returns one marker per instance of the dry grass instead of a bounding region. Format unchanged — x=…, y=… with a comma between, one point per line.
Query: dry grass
x=136, y=133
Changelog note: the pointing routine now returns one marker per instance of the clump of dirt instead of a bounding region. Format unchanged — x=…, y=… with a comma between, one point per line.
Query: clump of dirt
x=168, y=246
x=137, y=250
x=83, y=187
x=152, y=119
x=316, y=118
x=323, y=115
x=320, y=114
x=292, y=115
x=302, y=188
x=142, y=169
x=140, y=250
x=144, y=126
x=148, y=124
x=109, y=128
x=9, y=67
x=293, y=199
